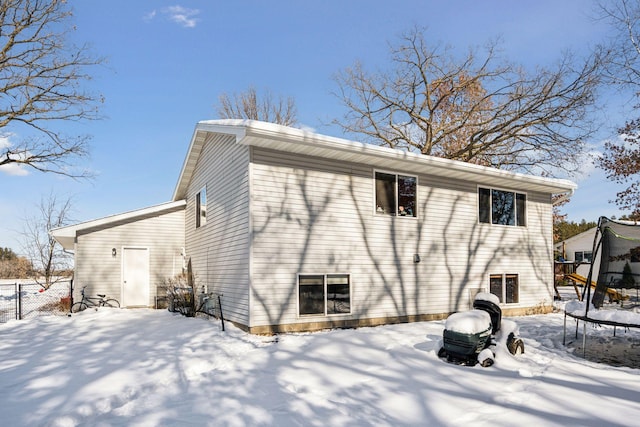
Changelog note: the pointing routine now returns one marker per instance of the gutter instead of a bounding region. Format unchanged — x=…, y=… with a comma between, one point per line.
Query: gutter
x=565, y=196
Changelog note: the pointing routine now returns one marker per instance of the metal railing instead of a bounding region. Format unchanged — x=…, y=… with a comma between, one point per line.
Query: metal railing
x=184, y=300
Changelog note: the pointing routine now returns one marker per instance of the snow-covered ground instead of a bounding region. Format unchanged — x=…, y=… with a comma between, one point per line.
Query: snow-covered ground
x=153, y=368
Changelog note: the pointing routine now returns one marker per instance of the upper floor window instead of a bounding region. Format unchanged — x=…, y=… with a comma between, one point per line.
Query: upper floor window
x=201, y=207
x=395, y=194
x=502, y=207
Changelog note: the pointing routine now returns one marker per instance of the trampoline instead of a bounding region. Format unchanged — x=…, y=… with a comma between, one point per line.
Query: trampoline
x=618, y=243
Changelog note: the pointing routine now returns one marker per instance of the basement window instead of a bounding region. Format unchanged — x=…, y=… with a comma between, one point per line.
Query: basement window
x=324, y=294
x=505, y=287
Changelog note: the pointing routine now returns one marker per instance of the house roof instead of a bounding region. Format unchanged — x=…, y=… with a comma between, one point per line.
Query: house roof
x=66, y=236
x=590, y=233
x=299, y=141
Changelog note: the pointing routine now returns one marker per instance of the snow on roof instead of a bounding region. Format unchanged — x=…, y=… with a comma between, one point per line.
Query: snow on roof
x=66, y=235
x=304, y=142
x=469, y=322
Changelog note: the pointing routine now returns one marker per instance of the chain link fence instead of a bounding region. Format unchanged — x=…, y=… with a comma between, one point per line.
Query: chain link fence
x=29, y=300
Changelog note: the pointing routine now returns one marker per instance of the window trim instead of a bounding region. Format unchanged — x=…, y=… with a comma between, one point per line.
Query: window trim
x=582, y=255
x=396, y=201
x=506, y=190
x=325, y=284
x=503, y=297
x=200, y=210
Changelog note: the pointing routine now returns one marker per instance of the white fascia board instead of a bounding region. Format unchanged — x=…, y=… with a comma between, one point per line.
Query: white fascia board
x=257, y=132
x=230, y=127
x=284, y=138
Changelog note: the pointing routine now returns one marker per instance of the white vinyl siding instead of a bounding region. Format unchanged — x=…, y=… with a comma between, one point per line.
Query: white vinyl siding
x=219, y=252
x=312, y=215
x=100, y=271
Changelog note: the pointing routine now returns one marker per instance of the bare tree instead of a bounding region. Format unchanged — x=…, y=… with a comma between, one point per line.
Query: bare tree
x=251, y=106
x=476, y=109
x=623, y=66
x=621, y=157
x=49, y=260
x=40, y=77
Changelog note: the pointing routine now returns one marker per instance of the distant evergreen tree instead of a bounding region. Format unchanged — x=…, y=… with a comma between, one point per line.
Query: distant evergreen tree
x=6, y=254
x=627, y=277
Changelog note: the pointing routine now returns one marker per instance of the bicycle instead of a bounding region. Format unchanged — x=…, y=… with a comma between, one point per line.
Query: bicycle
x=101, y=301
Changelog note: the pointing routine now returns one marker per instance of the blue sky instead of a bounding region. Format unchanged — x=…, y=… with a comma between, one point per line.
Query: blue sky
x=167, y=62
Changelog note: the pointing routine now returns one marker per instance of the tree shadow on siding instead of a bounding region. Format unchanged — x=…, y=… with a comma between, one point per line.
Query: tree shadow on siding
x=304, y=219
x=394, y=281
x=460, y=253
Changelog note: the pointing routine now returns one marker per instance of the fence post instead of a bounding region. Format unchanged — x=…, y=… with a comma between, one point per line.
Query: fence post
x=16, y=294
x=221, y=316
x=18, y=301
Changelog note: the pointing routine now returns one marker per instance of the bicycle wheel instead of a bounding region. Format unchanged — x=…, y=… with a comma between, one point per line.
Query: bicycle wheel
x=113, y=303
x=78, y=306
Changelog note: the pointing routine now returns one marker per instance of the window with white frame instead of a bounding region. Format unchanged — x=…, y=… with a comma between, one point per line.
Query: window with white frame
x=505, y=287
x=583, y=256
x=501, y=207
x=395, y=194
x=324, y=294
x=201, y=207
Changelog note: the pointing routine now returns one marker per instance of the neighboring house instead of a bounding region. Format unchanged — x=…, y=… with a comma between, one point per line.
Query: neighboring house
x=578, y=249
x=300, y=231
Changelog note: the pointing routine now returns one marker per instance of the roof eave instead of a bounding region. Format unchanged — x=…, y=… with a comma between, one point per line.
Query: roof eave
x=283, y=138
x=195, y=147
x=264, y=137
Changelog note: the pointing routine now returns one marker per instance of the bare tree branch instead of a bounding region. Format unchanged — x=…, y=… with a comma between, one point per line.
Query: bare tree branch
x=621, y=157
x=47, y=257
x=623, y=66
x=41, y=74
x=476, y=109
x=249, y=105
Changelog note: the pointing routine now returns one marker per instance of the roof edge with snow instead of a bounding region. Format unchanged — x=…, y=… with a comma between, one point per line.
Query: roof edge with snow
x=299, y=141
x=66, y=236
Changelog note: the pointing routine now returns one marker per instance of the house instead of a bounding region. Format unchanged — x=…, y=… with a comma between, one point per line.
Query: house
x=301, y=231
x=578, y=250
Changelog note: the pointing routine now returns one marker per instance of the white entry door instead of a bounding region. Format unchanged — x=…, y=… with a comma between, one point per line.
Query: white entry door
x=135, y=277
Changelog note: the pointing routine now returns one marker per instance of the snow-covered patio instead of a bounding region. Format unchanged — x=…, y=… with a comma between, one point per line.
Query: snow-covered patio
x=155, y=368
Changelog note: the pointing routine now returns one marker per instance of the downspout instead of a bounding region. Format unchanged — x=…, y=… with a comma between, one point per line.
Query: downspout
x=565, y=196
